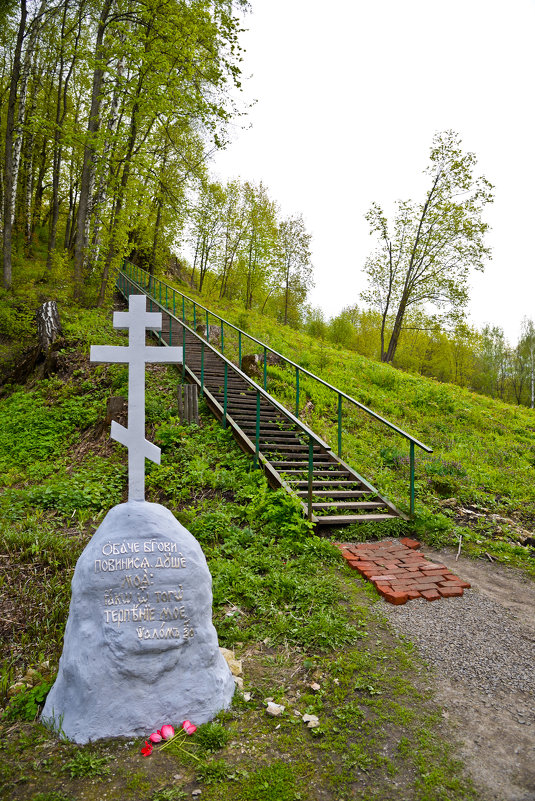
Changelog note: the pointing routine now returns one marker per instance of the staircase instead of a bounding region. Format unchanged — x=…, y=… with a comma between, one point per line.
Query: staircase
x=292, y=456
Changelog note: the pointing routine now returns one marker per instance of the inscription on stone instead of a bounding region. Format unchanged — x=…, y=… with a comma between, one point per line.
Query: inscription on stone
x=137, y=601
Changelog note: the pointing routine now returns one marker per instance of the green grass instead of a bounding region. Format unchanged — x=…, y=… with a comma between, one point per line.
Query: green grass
x=283, y=599
x=483, y=449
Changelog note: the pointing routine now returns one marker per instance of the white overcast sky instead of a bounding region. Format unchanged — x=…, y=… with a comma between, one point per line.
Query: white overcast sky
x=348, y=97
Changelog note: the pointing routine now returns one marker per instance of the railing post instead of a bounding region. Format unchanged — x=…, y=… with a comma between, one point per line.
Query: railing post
x=225, y=397
x=310, y=474
x=297, y=391
x=239, y=349
x=183, y=354
x=160, y=291
x=170, y=334
x=183, y=308
x=166, y=296
x=339, y=424
x=411, y=459
x=257, y=435
x=222, y=338
x=207, y=328
x=202, y=368
x=194, y=316
x=265, y=367
x=174, y=302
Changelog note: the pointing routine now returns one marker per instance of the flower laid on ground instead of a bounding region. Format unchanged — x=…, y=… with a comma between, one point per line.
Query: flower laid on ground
x=167, y=733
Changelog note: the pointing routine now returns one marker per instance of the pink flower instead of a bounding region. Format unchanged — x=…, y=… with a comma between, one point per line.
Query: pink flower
x=155, y=737
x=147, y=749
x=189, y=727
x=167, y=732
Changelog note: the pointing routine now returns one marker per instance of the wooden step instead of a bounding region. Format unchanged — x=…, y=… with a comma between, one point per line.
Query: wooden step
x=326, y=484
x=332, y=493
x=291, y=473
x=282, y=465
x=342, y=520
x=354, y=505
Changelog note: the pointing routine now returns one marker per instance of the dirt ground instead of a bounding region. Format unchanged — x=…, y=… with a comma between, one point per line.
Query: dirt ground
x=497, y=731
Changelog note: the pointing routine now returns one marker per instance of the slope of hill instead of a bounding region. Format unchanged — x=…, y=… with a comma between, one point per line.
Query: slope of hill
x=310, y=634
x=479, y=482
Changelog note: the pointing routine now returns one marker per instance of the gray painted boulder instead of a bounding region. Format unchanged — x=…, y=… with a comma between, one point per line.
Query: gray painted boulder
x=140, y=649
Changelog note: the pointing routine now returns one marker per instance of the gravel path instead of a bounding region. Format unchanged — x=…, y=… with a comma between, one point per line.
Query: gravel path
x=472, y=639
x=481, y=648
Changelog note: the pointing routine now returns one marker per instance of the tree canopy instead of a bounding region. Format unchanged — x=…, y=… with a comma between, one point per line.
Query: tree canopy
x=425, y=256
x=109, y=108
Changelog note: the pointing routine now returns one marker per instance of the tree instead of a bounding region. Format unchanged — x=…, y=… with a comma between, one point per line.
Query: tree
x=295, y=269
x=493, y=363
x=426, y=259
x=523, y=365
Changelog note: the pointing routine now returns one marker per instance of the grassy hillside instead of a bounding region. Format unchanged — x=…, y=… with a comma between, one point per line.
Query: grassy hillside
x=479, y=482
x=282, y=599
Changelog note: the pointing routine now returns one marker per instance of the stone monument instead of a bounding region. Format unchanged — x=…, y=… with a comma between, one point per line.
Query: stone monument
x=140, y=648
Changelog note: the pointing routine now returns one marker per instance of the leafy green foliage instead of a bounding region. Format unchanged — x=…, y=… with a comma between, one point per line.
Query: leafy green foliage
x=85, y=763
x=274, y=782
x=35, y=429
x=169, y=794
x=26, y=704
x=211, y=737
x=214, y=771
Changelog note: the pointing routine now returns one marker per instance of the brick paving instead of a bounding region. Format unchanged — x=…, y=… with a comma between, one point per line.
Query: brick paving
x=400, y=572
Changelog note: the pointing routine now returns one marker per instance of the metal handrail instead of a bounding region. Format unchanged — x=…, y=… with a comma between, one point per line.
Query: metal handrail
x=260, y=390
x=137, y=275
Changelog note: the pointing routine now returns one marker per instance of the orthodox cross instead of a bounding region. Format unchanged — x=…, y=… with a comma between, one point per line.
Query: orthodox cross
x=137, y=319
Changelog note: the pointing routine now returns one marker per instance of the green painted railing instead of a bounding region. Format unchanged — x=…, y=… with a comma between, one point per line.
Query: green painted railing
x=161, y=292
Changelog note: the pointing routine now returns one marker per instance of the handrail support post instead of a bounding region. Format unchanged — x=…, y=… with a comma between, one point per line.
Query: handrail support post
x=411, y=459
x=310, y=474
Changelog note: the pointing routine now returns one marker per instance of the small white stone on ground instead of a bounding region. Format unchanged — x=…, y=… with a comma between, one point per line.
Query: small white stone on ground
x=275, y=710
x=312, y=721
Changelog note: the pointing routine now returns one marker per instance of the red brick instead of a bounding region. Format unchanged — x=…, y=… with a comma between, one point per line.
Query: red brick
x=430, y=595
x=382, y=588
x=413, y=594
x=409, y=542
x=396, y=598
x=438, y=573
x=450, y=592
x=383, y=577
x=426, y=587
x=457, y=582
x=352, y=563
